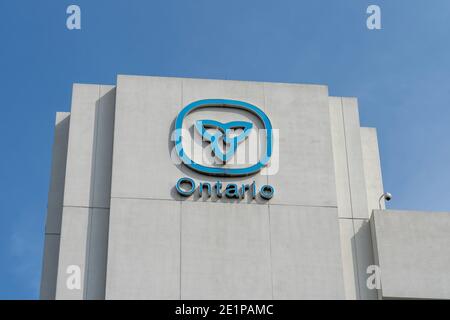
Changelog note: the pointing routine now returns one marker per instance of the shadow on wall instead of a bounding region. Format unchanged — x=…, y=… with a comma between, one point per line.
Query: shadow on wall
x=362, y=251
x=98, y=220
x=54, y=208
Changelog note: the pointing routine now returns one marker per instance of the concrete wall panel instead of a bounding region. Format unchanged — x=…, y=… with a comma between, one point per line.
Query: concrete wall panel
x=55, y=207
x=146, y=108
x=58, y=173
x=349, y=263
x=144, y=250
x=102, y=159
x=364, y=257
x=81, y=145
x=344, y=200
x=73, y=246
x=355, y=158
x=142, y=99
x=372, y=168
x=84, y=245
x=90, y=146
x=412, y=251
x=301, y=113
x=225, y=251
x=84, y=231
x=95, y=275
x=306, y=253
x=49, y=267
x=80, y=248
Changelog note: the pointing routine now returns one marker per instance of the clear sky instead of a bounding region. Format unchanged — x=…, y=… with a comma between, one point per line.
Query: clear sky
x=400, y=74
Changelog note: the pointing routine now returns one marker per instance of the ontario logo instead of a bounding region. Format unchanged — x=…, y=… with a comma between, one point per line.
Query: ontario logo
x=224, y=138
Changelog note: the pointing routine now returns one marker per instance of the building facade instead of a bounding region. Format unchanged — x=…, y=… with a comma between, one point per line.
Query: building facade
x=300, y=222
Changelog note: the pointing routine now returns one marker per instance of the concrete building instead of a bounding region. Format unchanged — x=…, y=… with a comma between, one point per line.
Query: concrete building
x=119, y=228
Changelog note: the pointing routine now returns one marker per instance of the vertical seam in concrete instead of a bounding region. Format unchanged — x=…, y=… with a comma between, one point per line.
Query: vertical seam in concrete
x=265, y=110
x=270, y=250
x=376, y=256
x=351, y=199
x=110, y=189
x=88, y=252
x=60, y=207
x=180, y=245
x=268, y=208
x=346, y=157
x=91, y=205
x=181, y=203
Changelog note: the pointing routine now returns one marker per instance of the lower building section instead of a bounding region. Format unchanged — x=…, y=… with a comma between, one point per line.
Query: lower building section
x=412, y=252
x=82, y=263
x=144, y=250
x=191, y=250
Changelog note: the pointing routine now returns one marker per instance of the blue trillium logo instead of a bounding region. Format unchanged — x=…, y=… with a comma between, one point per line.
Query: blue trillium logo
x=223, y=136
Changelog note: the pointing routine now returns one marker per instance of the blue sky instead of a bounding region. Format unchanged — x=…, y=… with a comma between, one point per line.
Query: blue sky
x=400, y=74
